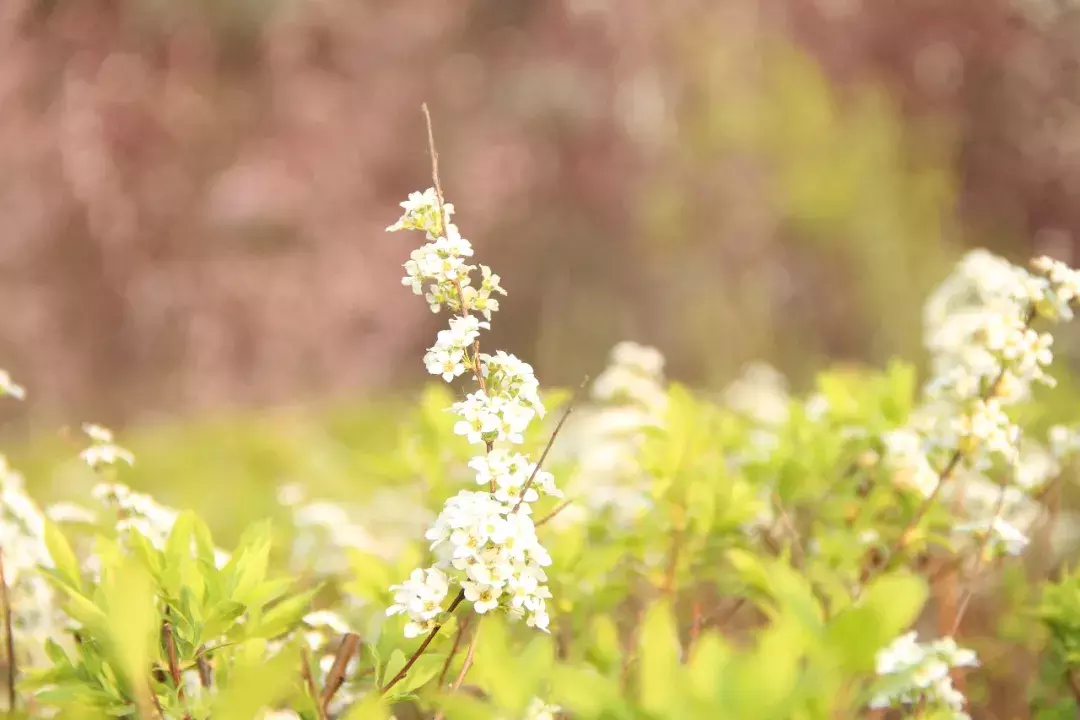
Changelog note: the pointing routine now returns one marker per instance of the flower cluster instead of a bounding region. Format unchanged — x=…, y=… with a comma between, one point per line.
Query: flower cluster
x=421, y=598
x=629, y=398
x=438, y=270
x=497, y=550
x=447, y=357
x=540, y=710
x=916, y=673
x=136, y=512
x=35, y=611
x=103, y=451
x=986, y=357
x=485, y=542
x=9, y=387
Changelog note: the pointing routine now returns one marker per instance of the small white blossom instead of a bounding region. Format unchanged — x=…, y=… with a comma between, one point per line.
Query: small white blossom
x=103, y=451
x=923, y=672
x=420, y=598
x=329, y=620
x=9, y=387
x=1003, y=535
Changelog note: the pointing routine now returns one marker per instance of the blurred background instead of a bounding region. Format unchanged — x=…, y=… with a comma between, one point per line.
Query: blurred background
x=194, y=194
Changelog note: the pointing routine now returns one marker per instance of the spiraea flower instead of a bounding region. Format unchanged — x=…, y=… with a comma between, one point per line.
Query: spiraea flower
x=485, y=541
x=9, y=387
x=986, y=357
x=102, y=450
x=917, y=674
x=421, y=599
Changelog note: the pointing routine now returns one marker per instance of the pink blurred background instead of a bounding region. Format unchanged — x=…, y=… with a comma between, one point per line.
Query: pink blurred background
x=194, y=194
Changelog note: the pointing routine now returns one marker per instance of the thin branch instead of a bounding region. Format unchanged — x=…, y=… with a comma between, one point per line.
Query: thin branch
x=695, y=629
x=631, y=646
x=174, y=663
x=309, y=681
x=554, y=513
x=206, y=674
x=156, y=702
x=9, y=637
x=423, y=646
x=671, y=572
x=979, y=562
x=800, y=552
x=1074, y=685
x=462, y=626
x=725, y=618
x=550, y=443
x=336, y=677
x=444, y=221
x=469, y=656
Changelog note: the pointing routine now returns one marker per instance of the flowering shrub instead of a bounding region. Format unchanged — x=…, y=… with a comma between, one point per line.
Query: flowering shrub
x=747, y=555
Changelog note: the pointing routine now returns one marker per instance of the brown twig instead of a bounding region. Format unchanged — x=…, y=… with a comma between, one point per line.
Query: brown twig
x=9, y=637
x=206, y=674
x=443, y=223
x=695, y=629
x=309, y=681
x=1074, y=685
x=979, y=562
x=157, y=703
x=725, y=618
x=462, y=626
x=174, y=663
x=631, y=646
x=800, y=552
x=671, y=572
x=554, y=513
x=336, y=677
x=470, y=654
x=423, y=646
x=550, y=443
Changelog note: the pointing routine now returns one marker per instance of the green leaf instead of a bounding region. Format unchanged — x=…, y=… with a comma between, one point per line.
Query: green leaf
x=283, y=616
x=221, y=619
x=393, y=666
x=888, y=607
x=422, y=671
x=256, y=685
x=82, y=610
x=250, y=562
x=658, y=660
x=604, y=650
x=178, y=545
x=372, y=707
x=204, y=542
x=63, y=557
x=132, y=622
x=151, y=556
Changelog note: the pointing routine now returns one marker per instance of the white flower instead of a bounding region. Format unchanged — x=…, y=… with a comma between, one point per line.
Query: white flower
x=922, y=670
x=539, y=710
x=9, y=387
x=327, y=619
x=97, y=433
x=97, y=455
x=67, y=512
x=486, y=418
x=1003, y=535
x=1064, y=441
x=422, y=212
x=420, y=598
x=905, y=451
